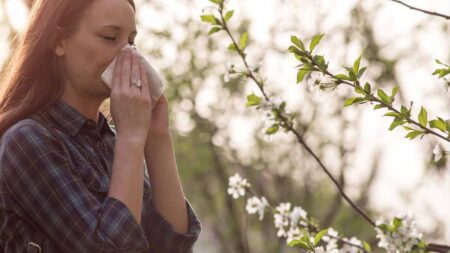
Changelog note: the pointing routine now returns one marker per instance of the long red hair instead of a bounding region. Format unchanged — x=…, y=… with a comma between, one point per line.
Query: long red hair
x=32, y=77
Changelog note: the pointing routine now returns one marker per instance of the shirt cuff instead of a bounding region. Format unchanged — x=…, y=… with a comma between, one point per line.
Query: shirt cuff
x=163, y=237
x=119, y=225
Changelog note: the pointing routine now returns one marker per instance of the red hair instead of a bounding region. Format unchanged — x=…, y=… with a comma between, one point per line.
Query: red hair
x=32, y=77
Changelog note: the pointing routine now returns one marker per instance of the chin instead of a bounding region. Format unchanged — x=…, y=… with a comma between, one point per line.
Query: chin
x=104, y=91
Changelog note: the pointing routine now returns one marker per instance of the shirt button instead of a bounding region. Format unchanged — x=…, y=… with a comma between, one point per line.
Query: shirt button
x=100, y=144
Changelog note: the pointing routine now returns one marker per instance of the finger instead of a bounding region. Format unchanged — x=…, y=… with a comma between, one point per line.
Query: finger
x=135, y=71
x=126, y=70
x=144, y=79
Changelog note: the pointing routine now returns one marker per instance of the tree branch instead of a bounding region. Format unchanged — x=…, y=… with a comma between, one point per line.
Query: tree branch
x=421, y=10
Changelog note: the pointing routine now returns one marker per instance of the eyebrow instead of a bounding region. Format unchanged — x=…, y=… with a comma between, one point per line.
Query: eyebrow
x=118, y=28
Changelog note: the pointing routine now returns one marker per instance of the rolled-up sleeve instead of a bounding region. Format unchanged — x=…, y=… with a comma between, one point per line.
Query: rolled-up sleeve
x=36, y=168
x=162, y=236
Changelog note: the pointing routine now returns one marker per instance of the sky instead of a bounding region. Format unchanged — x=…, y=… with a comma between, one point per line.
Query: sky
x=403, y=162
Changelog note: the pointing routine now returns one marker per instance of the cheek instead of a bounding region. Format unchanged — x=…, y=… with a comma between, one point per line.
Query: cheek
x=87, y=60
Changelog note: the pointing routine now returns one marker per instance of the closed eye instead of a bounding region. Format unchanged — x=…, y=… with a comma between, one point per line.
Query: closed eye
x=109, y=38
x=113, y=39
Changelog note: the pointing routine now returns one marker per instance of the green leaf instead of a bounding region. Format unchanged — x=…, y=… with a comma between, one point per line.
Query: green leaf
x=306, y=240
x=299, y=243
x=319, y=236
x=228, y=15
x=297, y=42
x=356, y=65
x=273, y=129
x=438, y=124
x=307, y=66
x=232, y=47
x=315, y=41
x=296, y=51
x=397, y=122
x=441, y=63
x=394, y=92
x=367, y=88
x=405, y=111
x=361, y=72
x=382, y=95
x=413, y=134
x=367, y=246
x=294, y=243
x=384, y=227
x=216, y=1
x=359, y=90
x=253, y=100
x=301, y=75
x=397, y=223
x=209, y=19
x=409, y=128
x=214, y=30
x=353, y=100
x=376, y=107
x=320, y=60
x=243, y=41
x=342, y=77
x=423, y=117
x=392, y=114
x=349, y=101
x=441, y=72
x=444, y=72
x=422, y=244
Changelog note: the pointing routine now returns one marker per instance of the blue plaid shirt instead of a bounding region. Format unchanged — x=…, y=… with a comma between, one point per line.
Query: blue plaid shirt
x=55, y=171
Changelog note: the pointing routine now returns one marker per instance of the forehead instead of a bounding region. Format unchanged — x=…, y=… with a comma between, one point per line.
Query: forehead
x=110, y=12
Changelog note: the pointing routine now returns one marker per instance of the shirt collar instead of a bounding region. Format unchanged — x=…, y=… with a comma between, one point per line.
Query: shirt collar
x=72, y=120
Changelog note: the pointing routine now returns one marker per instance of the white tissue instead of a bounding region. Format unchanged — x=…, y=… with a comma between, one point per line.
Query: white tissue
x=157, y=85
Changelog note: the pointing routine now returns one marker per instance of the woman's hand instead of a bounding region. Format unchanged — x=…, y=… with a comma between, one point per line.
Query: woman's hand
x=159, y=126
x=130, y=105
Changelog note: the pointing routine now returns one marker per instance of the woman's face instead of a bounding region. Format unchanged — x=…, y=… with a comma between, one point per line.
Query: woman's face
x=105, y=27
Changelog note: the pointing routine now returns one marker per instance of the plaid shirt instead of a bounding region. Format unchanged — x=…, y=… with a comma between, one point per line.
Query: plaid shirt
x=54, y=183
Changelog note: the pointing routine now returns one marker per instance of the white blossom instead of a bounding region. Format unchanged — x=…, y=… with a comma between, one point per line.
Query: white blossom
x=287, y=221
x=347, y=248
x=315, y=79
x=438, y=152
x=293, y=234
x=321, y=250
x=230, y=65
x=330, y=238
x=330, y=233
x=297, y=214
x=226, y=77
x=237, y=186
x=284, y=208
x=403, y=239
x=266, y=105
x=255, y=204
x=281, y=218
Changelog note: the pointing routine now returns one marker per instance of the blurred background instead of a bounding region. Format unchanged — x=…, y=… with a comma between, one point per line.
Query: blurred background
x=216, y=135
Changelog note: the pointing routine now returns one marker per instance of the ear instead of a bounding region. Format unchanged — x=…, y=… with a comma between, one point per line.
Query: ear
x=58, y=44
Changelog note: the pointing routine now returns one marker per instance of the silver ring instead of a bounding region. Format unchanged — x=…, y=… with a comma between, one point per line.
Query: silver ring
x=136, y=81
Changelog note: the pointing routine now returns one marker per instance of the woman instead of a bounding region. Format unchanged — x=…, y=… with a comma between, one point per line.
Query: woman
x=68, y=182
